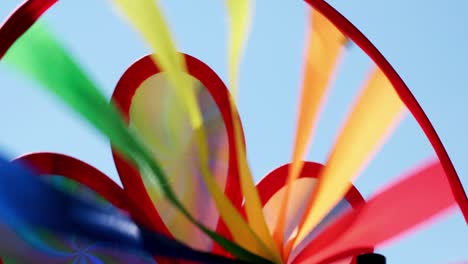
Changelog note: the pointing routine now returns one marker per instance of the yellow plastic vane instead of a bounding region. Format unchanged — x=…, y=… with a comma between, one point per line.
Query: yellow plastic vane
x=240, y=13
x=371, y=121
x=148, y=19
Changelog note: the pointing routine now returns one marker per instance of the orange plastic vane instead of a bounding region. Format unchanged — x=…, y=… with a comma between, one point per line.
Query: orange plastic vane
x=323, y=50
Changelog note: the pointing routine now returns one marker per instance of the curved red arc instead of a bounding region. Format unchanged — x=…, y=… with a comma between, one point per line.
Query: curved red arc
x=122, y=97
x=47, y=163
x=20, y=21
x=128, y=174
x=403, y=92
x=276, y=179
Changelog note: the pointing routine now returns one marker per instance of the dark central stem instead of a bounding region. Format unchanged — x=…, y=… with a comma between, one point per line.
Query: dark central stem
x=371, y=258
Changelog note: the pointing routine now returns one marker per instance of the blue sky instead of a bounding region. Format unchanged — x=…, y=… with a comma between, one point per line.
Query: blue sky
x=424, y=40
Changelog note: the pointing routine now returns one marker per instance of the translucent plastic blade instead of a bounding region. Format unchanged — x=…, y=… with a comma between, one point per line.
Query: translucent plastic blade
x=240, y=12
x=323, y=50
x=370, y=122
x=239, y=15
x=147, y=18
x=401, y=207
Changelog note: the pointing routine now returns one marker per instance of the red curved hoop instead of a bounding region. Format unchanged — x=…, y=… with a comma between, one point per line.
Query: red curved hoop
x=20, y=21
x=130, y=81
x=276, y=179
x=46, y=163
x=348, y=29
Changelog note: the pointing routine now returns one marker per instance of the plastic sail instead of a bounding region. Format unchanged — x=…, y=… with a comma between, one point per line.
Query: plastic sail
x=371, y=121
x=240, y=15
x=414, y=199
x=323, y=50
x=148, y=19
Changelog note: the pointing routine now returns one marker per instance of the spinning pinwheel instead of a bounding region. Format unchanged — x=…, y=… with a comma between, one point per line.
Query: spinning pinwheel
x=178, y=146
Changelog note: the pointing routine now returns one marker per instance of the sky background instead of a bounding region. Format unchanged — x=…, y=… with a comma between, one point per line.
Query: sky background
x=425, y=41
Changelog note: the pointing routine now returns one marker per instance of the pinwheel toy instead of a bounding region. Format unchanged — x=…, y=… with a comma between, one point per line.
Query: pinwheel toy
x=188, y=194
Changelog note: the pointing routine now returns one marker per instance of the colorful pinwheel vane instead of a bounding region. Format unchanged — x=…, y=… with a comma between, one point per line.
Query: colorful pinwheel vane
x=188, y=193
